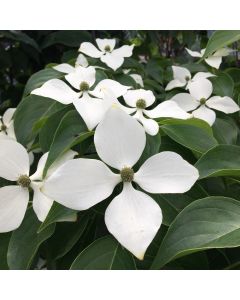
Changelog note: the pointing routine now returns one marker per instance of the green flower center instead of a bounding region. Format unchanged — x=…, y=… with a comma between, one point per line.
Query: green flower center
x=24, y=181
x=107, y=48
x=203, y=101
x=127, y=174
x=3, y=127
x=141, y=103
x=187, y=78
x=84, y=86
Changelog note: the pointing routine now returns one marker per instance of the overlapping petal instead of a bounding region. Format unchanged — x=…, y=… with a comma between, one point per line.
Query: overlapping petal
x=14, y=160
x=80, y=75
x=224, y=104
x=133, y=218
x=119, y=139
x=13, y=205
x=57, y=90
x=90, y=50
x=132, y=96
x=81, y=183
x=206, y=114
x=166, y=172
x=185, y=101
x=201, y=88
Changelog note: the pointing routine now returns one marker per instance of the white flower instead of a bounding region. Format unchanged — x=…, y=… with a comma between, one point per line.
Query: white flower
x=113, y=58
x=213, y=60
x=199, y=103
x=140, y=99
x=15, y=166
x=82, y=79
x=133, y=217
x=182, y=77
x=67, y=68
x=6, y=124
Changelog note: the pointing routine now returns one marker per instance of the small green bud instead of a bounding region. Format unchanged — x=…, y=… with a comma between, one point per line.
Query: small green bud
x=107, y=48
x=187, y=78
x=141, y=103
x=202, y=101
x=24, y=181
x=127, y=174
x=84, y=86
x=3, y=127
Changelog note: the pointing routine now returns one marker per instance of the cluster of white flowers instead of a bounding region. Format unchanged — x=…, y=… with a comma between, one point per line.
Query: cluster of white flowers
x=132, y=217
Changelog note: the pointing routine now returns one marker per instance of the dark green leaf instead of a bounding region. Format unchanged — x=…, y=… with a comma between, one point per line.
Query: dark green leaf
x=70, y=132
x=223, y=160
x=25, y=241
x=223, y=85
x=104, y=254
x=4, y=241
x=212, y=222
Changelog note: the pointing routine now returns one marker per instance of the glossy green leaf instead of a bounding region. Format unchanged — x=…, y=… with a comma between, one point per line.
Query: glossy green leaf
x=31, y=114
x=48, y=130
x=225, y=131
x=193, y=134
x=67, y=235
x=220, y=39
x=58, y=213
x=70, y=132
x=37, y=79
x=222, y=160
x=212, y=222
x=104, y=254
x=25, y=241
x=223, y=85
x=4, y=241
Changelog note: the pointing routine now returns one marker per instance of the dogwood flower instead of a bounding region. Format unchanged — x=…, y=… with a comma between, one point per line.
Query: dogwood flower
x=182, y=77
x=15, y=166
x=132, y=217
x=213, y=60
x=140, y=99
x=113, y=58
x=6, y=124
x=200, y=104
x=82, y=79
x=67, y=68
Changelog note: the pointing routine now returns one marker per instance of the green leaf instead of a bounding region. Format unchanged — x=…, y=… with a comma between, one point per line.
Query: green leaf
x=220, y=39
x=4, y=241
x=194, y=134
x=31, y=114
x=154, y=70
x=212, y=222
x=25, y=241
x=223, y=85
x=222, y=160
x=48, y=130
x=104, y=254
x=58, y=213
x=225, y=131
x=67, y=235
x=71, y=38
x=37, y=79
x=70, y=132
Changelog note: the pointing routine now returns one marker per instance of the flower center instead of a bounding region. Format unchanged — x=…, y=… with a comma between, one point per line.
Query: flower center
x=3, y=127
x=24, y=181
x=127, y=174
x=84, y=86
x=141, y=103
x=107, y=48
x=187, y=78
x=203, y=101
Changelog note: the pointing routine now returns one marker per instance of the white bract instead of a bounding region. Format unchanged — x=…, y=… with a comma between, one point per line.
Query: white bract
x=15, y=166
x=140, y=99
x=113, y=58
x=136, y=77
x=6, y=124
x=67, y=68
x=89, y=103
x=213, y=60
x=200, y=103
x=132, y=217
x=182, y=77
